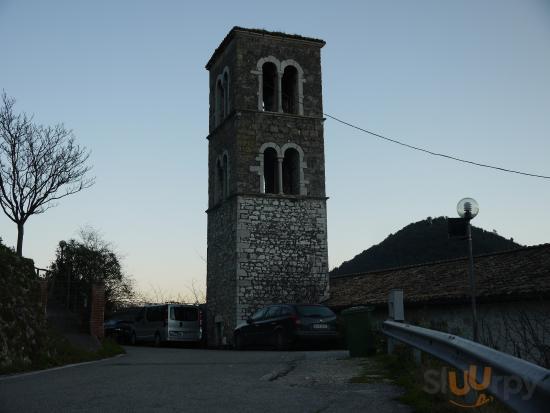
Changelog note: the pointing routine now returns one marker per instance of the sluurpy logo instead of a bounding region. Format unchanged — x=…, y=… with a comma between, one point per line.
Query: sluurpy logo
x=465, y=390
x=469, y=384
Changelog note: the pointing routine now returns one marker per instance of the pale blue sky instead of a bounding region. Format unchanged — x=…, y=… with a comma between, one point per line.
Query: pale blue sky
x=469, y=78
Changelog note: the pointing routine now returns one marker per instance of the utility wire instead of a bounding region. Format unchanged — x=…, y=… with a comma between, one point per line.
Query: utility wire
x=416, y=148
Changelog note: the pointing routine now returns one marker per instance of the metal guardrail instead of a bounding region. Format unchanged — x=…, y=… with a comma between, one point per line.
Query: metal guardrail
x=461, y=354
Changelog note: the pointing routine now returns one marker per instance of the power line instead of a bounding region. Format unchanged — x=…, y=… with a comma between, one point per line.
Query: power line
x=416, y=148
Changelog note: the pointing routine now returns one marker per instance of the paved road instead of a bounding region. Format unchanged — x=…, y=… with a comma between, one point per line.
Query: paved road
x=191, y=380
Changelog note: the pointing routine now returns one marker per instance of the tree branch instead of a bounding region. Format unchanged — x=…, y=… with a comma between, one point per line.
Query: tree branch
x=38, y=164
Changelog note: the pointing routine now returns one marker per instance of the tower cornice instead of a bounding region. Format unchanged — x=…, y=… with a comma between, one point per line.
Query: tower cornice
x=262, y=33
x=237, y=113
x=271, y=196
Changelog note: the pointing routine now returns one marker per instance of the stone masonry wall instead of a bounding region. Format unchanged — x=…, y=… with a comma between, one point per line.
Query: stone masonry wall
x=256, y=128
x=221, y=265
x=242, y=135
x=23, y=337
x=250, y=48
x=282, y=252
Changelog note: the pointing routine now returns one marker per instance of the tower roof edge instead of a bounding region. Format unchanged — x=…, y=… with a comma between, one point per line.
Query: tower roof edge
x=258, y=32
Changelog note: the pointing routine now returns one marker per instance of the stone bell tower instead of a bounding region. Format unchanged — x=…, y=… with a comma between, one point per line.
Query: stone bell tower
x=267, y=219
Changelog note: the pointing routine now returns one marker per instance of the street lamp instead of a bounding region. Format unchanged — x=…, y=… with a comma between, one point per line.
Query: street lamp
x=467, y=209
x=62, y=247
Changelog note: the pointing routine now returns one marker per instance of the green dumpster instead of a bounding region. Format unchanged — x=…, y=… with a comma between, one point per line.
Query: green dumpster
x=358, y=331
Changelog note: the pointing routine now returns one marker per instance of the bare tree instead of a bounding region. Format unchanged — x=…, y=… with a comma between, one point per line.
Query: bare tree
x=157, y=295
x=522, y=332
x=38, y=165
x=198, y=295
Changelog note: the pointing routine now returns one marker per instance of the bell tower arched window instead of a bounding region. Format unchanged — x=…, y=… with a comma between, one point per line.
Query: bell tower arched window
x=281, y=169
x=222, y=178
x=219, y=181
x=269, y=87
x=225, y=171
x=291, y=172
x=220, y=101
x=221, y=96
x=289, y=93
x=225, y=84
x=270, y=172
x=226, y=80
x=281, y=85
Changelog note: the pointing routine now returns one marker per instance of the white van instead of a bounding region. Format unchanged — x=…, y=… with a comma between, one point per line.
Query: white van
x=167, y=323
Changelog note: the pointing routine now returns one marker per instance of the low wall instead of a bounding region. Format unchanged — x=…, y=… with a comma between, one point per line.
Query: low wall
x=22, y=322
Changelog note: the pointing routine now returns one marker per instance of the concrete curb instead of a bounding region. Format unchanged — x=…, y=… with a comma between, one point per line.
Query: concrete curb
x=66, y=366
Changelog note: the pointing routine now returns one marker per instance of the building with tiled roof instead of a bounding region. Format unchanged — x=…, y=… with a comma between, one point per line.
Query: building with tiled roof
x=513, y=295
x=520, y=274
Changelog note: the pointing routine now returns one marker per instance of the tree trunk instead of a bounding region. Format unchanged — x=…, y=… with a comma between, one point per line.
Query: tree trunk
x=20, y=232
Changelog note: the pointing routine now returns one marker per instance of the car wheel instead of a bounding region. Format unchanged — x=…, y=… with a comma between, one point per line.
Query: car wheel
x=281, y=341
x=157, y=340
x=133, y=339
x=239, y=342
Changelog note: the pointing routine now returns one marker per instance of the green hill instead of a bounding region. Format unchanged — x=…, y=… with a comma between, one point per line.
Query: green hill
x=420, y=242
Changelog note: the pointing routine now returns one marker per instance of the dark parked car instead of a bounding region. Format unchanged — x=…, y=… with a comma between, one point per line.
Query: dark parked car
x=284, y=325
x=120, y=325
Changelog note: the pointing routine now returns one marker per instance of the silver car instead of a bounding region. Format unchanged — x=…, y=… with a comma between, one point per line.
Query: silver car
x=167, y=323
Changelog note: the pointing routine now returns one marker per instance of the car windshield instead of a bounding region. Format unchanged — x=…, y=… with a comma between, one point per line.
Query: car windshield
x=314, y=311
x=258, y=314
x=184, y=313
x=122, y=316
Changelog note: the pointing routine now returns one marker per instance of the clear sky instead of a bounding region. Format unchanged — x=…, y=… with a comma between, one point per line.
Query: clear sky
x=468, y=78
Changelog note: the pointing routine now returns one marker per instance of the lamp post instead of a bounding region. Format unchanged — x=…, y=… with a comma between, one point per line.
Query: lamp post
x=63, y=246
x=467, y=209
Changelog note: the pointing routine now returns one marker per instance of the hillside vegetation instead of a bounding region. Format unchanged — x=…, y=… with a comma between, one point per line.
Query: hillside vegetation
x=420, y=242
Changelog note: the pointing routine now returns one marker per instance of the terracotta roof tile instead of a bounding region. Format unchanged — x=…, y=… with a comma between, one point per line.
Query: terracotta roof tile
x=510, y=275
